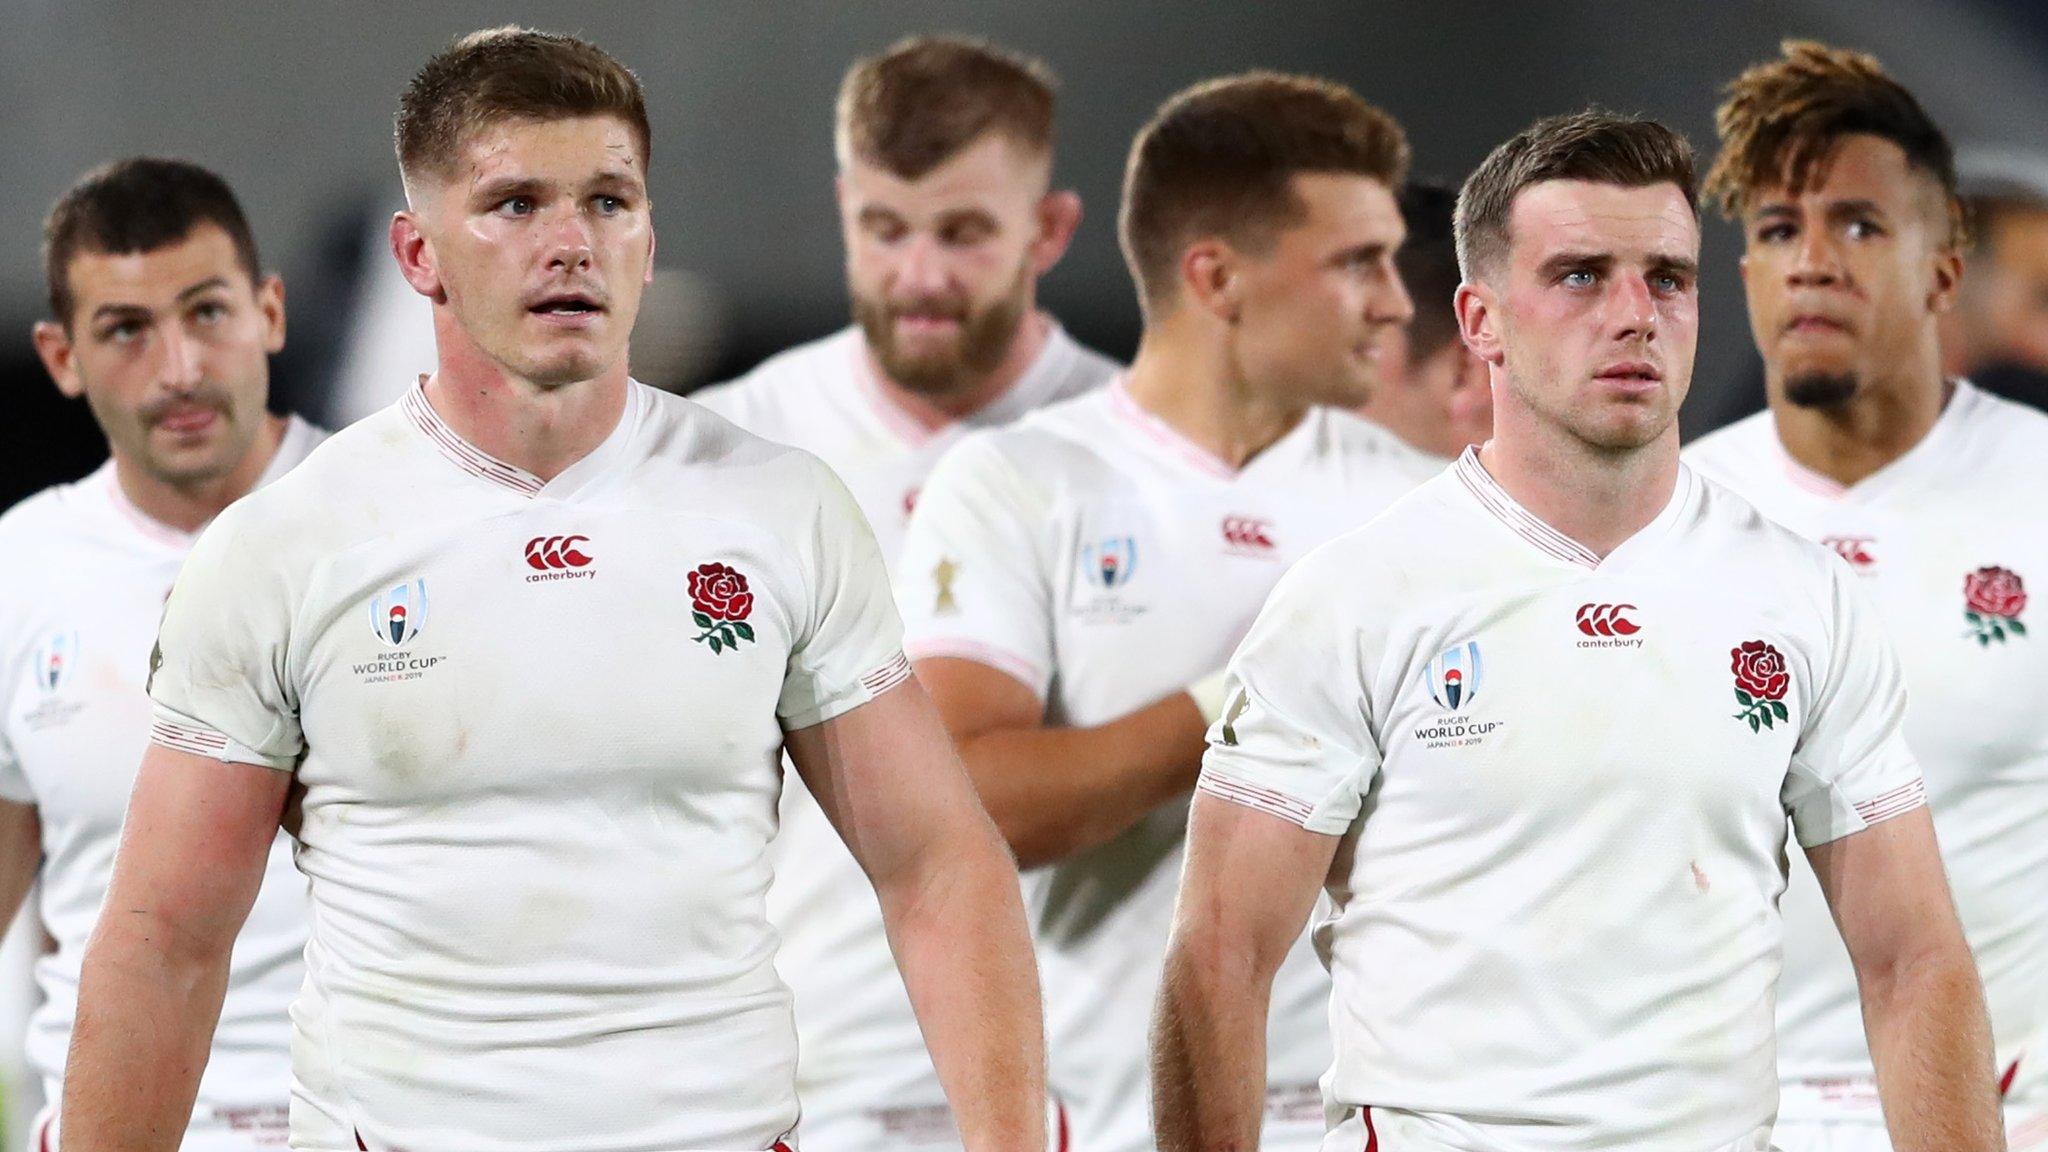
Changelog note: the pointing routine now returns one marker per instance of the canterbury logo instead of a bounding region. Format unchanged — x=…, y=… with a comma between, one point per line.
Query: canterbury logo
x=1245, y=532
x=1607, y=620
x=545, y=552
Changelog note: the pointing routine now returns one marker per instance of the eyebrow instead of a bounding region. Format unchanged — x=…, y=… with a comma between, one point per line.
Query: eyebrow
x=505, y=187
x=1833, y=208
x=206, y=285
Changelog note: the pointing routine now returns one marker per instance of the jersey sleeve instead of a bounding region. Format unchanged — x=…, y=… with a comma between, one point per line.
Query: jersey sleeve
x=851, y=649
x=1295, y=739
x=975, y=578
x=1851, y=767
x=218, y=679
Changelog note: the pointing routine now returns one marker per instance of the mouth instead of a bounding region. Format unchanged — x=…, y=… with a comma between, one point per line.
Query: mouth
x=567, y=307
x=1815, y=324
x=1631, y=373
x=186, y=420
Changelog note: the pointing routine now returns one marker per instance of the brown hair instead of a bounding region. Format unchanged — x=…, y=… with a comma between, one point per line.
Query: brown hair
x=1218, y=160
x=510, y=72
x=1782, y=119
x=137, y=205
x=918, y=104
x=1591, y=145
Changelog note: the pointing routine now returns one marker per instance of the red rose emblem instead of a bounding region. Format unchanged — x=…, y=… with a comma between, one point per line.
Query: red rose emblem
x=1996, y=592
x=1993, y=599
x=1760, y=670
x=720, y=593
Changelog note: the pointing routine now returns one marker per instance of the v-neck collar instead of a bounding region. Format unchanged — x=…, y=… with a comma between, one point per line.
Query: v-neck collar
x=481, y=464
x=299, y=439
x=1954, y=414
x=1024, y=393
x=1171, y=442
x=1538, y=533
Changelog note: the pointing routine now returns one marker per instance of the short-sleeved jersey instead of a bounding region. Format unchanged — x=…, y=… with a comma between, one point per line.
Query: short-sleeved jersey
x=537, y=731
x=862, y=1065
x=1106, y=562
x=78, y=612
x=1562, y=786
x=1945, y=540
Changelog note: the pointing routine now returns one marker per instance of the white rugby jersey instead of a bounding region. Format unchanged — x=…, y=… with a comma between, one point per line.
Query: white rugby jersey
x=1945, y=540
x=1562, y=785
x=1105, y=561
x=863, y=1074
x=538, y=729
x=78, y=611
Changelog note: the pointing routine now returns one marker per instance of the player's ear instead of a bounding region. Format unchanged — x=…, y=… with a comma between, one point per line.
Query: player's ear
x=270, y=302
x=1059, y=215
x=415, y=256
x=53, y=345
x=1209, y=278
x=1948, y=277
x=1478, y=326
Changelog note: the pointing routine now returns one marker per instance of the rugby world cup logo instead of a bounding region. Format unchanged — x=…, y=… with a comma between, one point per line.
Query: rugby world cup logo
x=1111, y=561
x=54, y=659
x=1454, y=676
x=398, y=615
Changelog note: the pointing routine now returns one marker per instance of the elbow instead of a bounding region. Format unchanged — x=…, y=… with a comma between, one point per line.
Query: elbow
x=1033, y=841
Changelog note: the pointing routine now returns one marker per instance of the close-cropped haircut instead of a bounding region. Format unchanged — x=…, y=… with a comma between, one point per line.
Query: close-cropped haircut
x=1218, y=160
x=918, y=104
x=1591, y=145
x=509, y=73
x=1782, y=119
x=136, y=205
x=1428, y=263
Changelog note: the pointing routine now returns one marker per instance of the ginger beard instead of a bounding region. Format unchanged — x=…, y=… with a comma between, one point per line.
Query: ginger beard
x=979, y=341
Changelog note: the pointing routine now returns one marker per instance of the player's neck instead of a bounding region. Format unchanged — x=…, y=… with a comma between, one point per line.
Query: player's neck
x=542, y=429
x=935, y=411
x=1850, y=442
x=190, y=507
x=1190, y=388
x=1598, y=498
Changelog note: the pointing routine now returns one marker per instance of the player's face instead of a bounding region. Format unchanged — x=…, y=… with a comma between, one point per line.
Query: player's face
x=540, y=245
x=1597, y=311
x=1319, y=311
x=943, y=269
x=1846, y=279
x=1439, y=403
x=170, y=350
x=2011, y=288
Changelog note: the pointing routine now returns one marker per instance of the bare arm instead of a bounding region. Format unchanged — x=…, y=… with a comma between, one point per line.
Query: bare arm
x=21, y=855
x=1054, y=791
x=887, y=778
x=1923, y=1007
x=1246, y=890
x=191, y=859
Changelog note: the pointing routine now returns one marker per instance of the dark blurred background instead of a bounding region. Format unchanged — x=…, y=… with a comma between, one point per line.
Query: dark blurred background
x=292, y=103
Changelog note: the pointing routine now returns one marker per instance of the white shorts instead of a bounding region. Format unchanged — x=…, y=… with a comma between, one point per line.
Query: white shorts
x=1378, y=1130
x=262, y=1128
x=836, y=1126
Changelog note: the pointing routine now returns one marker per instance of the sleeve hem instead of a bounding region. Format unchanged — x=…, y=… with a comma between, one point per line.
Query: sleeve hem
x=199, y=740
x=1874, y=811
x=1002, y=660
x=874, y=682
x=1251, y=796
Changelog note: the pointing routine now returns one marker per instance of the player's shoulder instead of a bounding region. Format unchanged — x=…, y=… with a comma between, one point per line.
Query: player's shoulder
x=696, y=445
x=789, y=383
x=1078, y=369
x=1050, y=443
x=1728, y=529
x=2002, y=440
x=46, y=516
x=1371, y=445
x=1734, y=451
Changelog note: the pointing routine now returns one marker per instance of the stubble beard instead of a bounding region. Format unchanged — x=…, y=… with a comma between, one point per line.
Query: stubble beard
x=984, y=340
x=1820, y=390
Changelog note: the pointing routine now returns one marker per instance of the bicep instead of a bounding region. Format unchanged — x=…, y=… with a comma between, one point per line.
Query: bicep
x=21, y=854
x=1887, y=890
x=195, y=842
x=1251, y=879
x=886, y=776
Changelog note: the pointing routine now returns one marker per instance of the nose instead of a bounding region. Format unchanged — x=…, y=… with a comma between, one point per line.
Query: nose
x=1632, y=309
x=1394, y=305
x=569, y=244
x=1814, y=262
x=922, y=271
x=181, y=369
